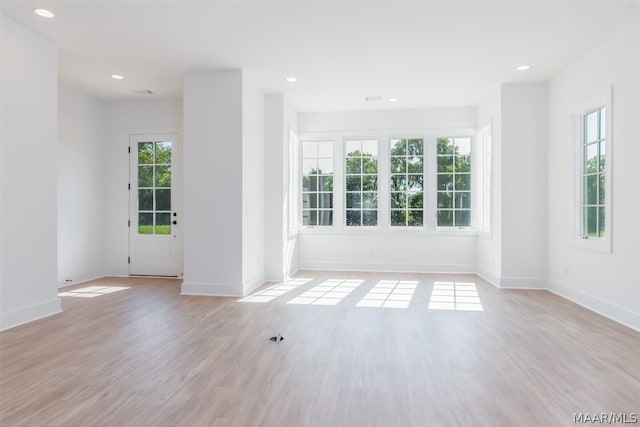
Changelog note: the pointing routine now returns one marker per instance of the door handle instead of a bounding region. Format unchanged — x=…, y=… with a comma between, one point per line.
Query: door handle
x=175, y=222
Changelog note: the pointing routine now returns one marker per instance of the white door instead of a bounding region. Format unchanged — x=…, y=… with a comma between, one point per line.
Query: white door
x=155, y=240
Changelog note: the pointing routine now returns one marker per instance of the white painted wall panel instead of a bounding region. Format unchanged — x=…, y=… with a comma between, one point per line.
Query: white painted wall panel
x=213, y=178
x=82, y=180
x=29, y=142
x=122, y=118
x=606, y=282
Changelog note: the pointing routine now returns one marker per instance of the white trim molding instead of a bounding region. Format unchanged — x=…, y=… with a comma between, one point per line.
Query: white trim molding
x=30, y=313
x=252, y=284
x=77, y=278
x=388, y=268
x=611, y=311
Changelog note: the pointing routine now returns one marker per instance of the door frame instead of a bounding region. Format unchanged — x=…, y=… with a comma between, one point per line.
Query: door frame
x=177, y=187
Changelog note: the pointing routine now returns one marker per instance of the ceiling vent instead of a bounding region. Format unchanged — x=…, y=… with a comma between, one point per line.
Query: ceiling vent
x=372, y=98
x=143, y=92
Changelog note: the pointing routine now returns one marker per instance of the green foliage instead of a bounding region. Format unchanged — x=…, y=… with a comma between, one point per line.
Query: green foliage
x=163, y=176
x=148, y=229
x=145, y=176
x=446, y=147
x=463, y=164
x=145, y=153
x=358, y=162
x=163, y=153
x=145, y=229
x=408, y=147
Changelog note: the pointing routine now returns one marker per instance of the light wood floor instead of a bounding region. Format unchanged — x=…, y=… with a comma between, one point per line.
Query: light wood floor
x=145, y=356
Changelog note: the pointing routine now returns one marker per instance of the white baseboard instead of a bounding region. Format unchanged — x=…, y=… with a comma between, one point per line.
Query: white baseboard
x=392, y=268
x=212, y=289
x=614, y=312
x=76, y=279
x=488, y=277
x=252, y=284
x=116, y=272
x=28, y=314
x=274, y=276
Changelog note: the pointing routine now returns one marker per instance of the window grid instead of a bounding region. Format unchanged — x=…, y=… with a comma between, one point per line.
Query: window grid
x=154, y=187
x=317, y=183
x=454, y=182
x=407, y=182
x=593, y=174
x=361, y=183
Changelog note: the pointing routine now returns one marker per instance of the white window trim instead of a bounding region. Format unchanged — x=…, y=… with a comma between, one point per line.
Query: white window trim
x=603, y=98
x=387, y=154
x=472, y=188
x=298, y=188
x=482, y=185
x=343, y=167
x=430, y=137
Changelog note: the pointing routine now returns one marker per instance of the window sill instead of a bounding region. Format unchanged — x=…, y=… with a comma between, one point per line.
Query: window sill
x=373, y=231
x=595, y=245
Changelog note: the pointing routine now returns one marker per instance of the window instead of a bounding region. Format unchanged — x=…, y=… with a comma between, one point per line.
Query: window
x=361, y=183
x=399, y=181
x=592, y=170
x=154, y=187
x=593, y=206
x=317, y=183
x=407, y=182
x=454, y=182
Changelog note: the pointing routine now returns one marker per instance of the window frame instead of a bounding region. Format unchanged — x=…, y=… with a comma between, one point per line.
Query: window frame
x=362, y=174
x=390, y=175
x=601, y=99
x=384, y=136
x=470, y=191
x=300, y=190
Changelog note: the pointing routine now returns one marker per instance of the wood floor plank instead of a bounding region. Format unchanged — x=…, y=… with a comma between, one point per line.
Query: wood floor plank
x=133, y=352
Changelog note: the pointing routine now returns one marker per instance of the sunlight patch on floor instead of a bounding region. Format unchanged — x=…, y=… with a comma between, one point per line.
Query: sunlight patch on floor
x=92, y=291
x=329, y=292
x=275, y=291
x=390, y=294
x=455, y=296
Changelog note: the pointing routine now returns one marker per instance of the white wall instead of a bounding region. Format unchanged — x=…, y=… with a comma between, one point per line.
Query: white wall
x=213, y=179
x=387, y=250
x=275, y=186
x=29, y=135
x=281, y=236
x=426, y=118
x=253, y=185
x=291, y=198
x=523, y=185
x=82, y=179
x=605, y=282
x=122, y=118
x=489, y=246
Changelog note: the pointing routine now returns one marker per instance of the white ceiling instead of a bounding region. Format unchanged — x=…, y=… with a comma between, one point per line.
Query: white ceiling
x=424, y=53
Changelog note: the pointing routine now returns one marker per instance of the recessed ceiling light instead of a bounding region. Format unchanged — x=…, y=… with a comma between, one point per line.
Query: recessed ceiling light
x=117, y=76
x=523, y=67
x=291, y=79
x=44, y=13
x=392, y=99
